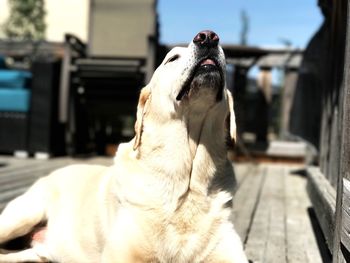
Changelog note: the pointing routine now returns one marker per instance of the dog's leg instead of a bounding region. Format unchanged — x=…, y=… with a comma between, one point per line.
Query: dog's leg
x=23, y=213
x=28, y=255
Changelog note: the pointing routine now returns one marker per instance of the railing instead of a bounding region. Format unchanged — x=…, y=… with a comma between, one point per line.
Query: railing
x=329, y=183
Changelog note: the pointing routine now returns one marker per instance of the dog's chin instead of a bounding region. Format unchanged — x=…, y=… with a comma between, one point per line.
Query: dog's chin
x=206, y=77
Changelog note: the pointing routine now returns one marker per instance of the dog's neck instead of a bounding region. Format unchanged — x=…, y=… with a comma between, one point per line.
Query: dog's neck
x=188, y=150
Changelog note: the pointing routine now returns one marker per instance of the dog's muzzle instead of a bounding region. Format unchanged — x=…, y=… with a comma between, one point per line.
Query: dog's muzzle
x=207, y=69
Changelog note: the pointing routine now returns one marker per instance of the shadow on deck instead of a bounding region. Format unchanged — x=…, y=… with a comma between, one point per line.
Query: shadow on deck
x=272, y=211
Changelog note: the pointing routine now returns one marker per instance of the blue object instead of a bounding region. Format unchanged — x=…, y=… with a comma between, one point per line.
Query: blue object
x=15, y=79
x=14, y=99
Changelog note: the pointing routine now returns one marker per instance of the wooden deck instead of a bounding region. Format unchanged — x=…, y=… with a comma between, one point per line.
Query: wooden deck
x=271, y=206
x=272, y=215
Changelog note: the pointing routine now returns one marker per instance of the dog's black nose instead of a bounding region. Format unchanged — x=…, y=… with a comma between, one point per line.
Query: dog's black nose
x=206, y=38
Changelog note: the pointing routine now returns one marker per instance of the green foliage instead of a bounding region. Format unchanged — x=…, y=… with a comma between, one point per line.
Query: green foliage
x=26, y=20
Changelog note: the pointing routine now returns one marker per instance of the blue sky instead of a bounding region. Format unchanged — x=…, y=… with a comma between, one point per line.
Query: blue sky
x=270, y=20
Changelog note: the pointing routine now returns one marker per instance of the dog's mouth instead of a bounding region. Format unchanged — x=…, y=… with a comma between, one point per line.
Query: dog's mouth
x=211, y=74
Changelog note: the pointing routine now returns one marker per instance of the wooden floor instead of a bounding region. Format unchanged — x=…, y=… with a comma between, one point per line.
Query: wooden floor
x=272, y=214
x=271, y=206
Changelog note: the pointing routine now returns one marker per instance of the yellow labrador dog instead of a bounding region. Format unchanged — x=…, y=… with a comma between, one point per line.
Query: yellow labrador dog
x=167, y=198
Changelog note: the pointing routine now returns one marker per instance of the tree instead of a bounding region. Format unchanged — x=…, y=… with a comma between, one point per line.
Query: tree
x=245, y=28
x=26, y=20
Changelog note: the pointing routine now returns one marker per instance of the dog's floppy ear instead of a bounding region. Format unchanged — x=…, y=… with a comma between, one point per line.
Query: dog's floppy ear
x=142, y=108
x=232, y=117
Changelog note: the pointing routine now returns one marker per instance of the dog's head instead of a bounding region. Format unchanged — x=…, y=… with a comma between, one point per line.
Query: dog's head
x=190, y=80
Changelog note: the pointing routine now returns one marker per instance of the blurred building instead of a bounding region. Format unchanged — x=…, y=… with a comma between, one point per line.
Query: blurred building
x=109, y=26
x=62, y=16
x=122, y=28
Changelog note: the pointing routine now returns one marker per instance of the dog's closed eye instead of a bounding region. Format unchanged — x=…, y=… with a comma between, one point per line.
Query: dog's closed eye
x=173, y=58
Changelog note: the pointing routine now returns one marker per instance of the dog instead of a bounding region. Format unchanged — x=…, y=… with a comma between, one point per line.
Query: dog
x=168, y=195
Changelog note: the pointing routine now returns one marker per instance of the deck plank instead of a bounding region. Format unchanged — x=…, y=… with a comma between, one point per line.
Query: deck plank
x=276, y=245
x=268, y=228
x=19, y=174
x=301, y=241
x=250, y=182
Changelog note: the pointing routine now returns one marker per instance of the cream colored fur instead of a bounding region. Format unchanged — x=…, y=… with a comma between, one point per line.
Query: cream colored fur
x=162, y=201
